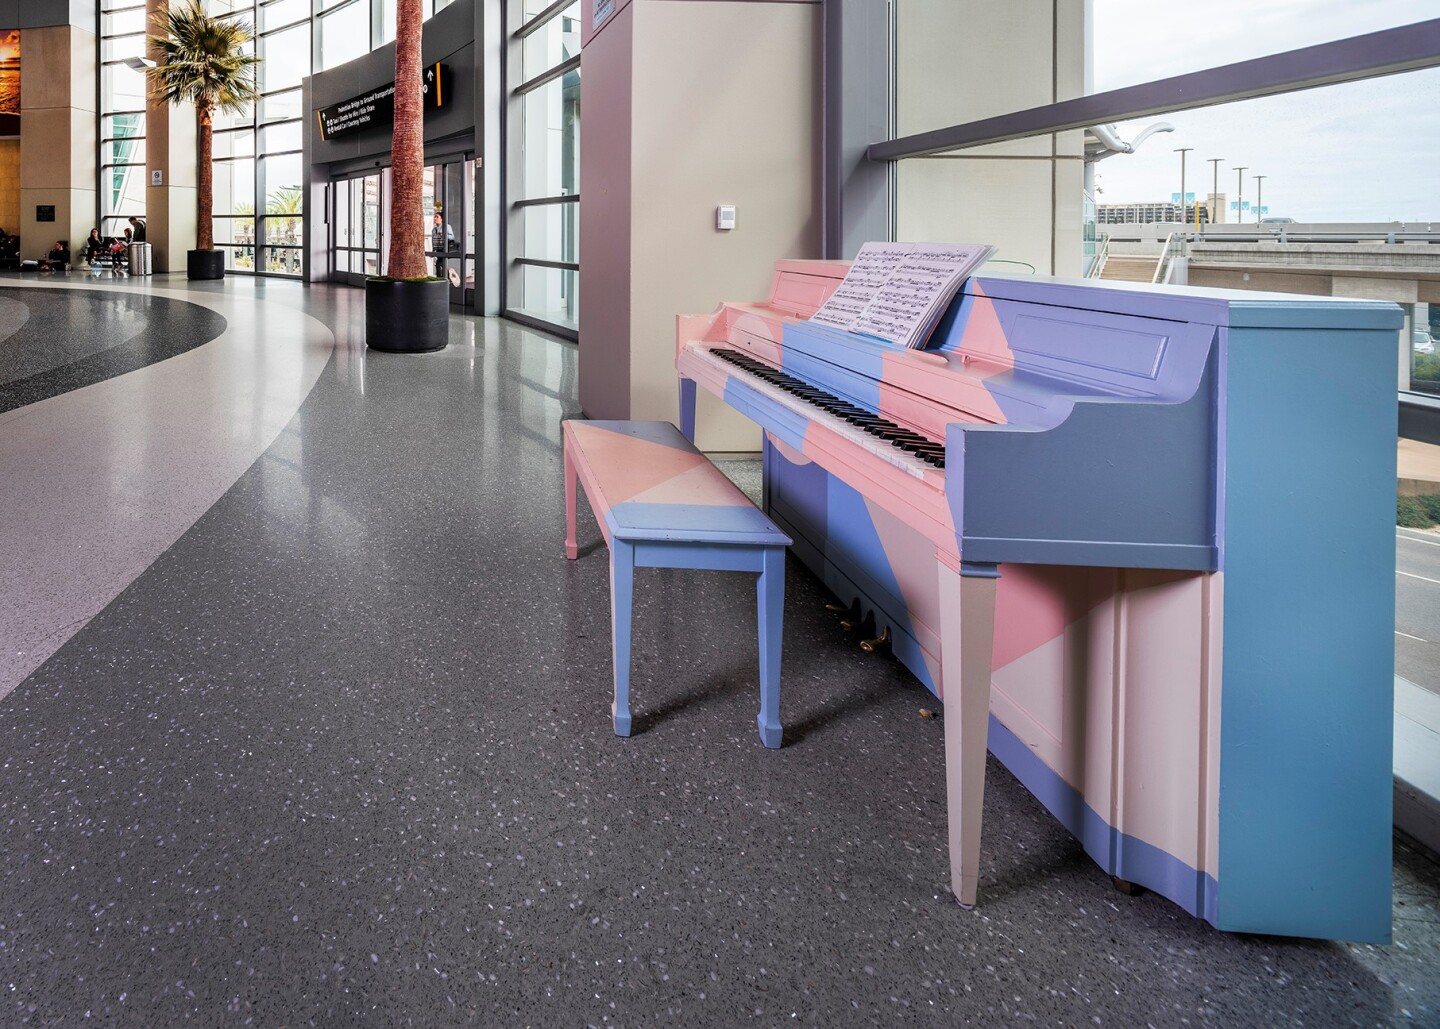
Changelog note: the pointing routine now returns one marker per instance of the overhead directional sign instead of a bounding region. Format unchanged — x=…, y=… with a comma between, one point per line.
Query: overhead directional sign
x=377, y=107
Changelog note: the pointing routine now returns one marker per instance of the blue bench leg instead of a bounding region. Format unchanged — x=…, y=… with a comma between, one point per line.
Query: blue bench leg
x=687, y=409
x=622, y=588
x=770, y=588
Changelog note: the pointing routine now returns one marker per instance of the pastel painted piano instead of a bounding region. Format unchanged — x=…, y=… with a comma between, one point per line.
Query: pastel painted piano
x=1139, y=539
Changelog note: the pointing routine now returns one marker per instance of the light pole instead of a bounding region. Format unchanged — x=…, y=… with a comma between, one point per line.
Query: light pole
x=1182, y=151
x=1215, y=188
x=1259, y=194
x=1240, y=193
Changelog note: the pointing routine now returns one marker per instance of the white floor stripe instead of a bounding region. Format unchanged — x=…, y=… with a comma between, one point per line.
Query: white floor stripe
x=1420, y=577
x=1409, y=637
x=1417, y=539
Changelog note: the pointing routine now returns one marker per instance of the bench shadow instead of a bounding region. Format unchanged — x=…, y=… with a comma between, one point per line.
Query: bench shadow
x=713, y=688
x=836, y=710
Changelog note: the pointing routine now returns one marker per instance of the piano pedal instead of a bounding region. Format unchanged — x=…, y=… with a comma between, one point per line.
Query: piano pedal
x=839, y=608
x=872, y=646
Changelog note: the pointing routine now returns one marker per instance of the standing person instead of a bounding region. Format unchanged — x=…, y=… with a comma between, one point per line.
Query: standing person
x=442, y=241
x=138, y=224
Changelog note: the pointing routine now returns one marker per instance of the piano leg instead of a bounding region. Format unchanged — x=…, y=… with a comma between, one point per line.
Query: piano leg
x=622, y=588
x=572, y=549
x=967, y=618
x=687, y=409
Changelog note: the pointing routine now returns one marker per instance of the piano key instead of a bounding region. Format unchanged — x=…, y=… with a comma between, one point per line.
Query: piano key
x=903, y=444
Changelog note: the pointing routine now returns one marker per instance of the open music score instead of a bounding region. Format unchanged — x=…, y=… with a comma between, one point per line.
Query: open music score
x=898, y=291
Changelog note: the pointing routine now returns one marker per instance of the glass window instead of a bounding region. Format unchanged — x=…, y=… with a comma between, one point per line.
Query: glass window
x=116, y=125
x=283, y=185
x=234, y=143
x=554, y=42
x=1127, y=33
x=284, y=136
x=550, y=140
x=124, y=189
x=345, y=34
x=123, y=151
x=283, y=12
x=119, y=47
x=124, y=87
x=552, y=232
x=127, y=22
x=551, y=295
x=281, y=107
x=236, y=119
x=234, y=183
x=286, y=58
x=385, y=14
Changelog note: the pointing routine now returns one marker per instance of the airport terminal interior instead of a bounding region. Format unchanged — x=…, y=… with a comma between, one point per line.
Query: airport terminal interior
x=308, y=717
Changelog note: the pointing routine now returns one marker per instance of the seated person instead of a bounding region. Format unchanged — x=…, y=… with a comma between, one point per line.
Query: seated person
x=95, y=247
x=58, y=258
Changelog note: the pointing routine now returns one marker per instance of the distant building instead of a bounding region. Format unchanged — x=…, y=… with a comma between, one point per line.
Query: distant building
x=1145, y=214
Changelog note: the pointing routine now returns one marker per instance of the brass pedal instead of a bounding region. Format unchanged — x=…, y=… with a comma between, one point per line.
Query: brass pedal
x=883, y=640
x=838, y=608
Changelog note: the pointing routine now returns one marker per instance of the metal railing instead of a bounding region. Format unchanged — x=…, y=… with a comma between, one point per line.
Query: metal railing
x=1174, y=249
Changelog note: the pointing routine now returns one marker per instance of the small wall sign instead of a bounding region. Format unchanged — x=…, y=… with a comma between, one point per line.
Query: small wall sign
x=44, y=212
x=157, y=177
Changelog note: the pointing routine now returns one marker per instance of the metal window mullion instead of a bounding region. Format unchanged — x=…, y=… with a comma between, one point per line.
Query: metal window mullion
x=542, y=18
x=530, y=85
x=568, y=198
x=536, y=262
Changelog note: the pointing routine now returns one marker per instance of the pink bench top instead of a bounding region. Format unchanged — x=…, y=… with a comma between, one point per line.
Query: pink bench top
x=646, y=481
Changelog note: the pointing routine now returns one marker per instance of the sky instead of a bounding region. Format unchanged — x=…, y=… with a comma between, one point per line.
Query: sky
x=1363, y=151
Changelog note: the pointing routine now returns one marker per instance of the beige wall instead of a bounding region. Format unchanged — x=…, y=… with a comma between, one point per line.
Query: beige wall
x=57, y=136
x=702, y=123
x=717, y=124
x=960, y=62
x=10, y=185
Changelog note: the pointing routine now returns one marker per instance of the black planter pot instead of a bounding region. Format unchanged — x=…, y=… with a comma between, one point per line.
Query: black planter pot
x=407, y=317
x=204, y=264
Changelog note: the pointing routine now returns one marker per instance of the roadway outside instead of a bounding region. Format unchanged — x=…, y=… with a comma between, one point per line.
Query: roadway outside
x=1417, y=607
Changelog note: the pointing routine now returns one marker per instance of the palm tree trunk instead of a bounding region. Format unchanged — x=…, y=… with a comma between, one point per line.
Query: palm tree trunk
x=407, y=151
x=204, y=175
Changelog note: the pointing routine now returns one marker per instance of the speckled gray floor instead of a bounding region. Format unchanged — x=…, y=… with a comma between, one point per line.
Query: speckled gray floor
x=74, y=338
x=343, y=756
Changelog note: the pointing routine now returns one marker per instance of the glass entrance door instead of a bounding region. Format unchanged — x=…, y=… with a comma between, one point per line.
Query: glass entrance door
x=356, y=227
x=450, y=230
x=359, y=216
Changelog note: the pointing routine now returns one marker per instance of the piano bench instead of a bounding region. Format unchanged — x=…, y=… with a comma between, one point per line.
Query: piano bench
x=662, y=504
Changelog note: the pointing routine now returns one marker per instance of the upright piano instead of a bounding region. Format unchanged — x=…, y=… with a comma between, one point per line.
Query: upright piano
x=1139, y=539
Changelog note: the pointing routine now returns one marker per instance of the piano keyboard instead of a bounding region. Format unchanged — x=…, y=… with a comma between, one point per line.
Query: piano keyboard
x=913, y=448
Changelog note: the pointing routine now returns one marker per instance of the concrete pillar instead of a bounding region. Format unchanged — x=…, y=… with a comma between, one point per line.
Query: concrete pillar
x=961, y=62
x=57, y=137
x=170, y=212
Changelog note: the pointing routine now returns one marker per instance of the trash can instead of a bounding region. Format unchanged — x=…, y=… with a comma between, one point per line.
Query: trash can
x=140, y=259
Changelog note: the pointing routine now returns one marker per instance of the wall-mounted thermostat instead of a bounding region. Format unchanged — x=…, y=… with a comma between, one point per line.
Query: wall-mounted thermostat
x=725, y=217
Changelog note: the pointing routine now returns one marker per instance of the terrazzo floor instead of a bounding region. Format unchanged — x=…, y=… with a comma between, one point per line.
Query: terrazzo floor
x=341, y=755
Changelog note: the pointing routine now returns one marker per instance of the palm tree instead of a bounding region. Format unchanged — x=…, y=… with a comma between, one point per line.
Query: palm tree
x=203, y=62
x=407, y=310
x=407, y=149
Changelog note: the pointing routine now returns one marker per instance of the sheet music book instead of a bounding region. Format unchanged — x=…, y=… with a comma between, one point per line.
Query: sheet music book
x=898, y=291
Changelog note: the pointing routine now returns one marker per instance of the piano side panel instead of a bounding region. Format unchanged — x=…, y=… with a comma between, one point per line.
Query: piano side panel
x=1308, y=706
